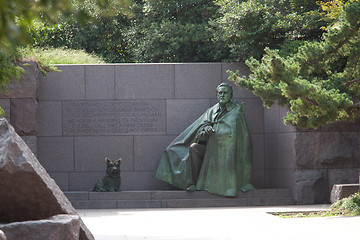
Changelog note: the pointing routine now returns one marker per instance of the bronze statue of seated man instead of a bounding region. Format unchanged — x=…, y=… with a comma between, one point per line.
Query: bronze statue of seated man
x=214, y=153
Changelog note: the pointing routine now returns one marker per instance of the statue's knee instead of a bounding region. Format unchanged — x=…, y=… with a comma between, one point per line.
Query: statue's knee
x=197, y=148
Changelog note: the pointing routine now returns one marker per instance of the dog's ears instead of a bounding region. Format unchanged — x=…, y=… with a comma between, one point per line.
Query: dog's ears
x=119, y=161
x=107, y=160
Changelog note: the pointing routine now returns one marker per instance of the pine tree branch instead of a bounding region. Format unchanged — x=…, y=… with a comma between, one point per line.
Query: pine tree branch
x=333, y=50
x=352, y=81
x=312, y=102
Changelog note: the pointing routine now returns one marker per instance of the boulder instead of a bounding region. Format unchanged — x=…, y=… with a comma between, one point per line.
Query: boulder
x=59, y=227
x=309, y=186
x=314, y=150
x=27, y=191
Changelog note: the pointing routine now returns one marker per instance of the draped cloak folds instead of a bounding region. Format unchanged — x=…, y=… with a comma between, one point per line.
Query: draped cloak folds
x=227, y=162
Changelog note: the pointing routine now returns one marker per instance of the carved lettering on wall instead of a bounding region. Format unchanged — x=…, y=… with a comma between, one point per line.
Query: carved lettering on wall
x=120, y=117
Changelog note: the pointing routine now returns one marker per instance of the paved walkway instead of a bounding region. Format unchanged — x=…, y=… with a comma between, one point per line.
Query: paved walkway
x=217, y=224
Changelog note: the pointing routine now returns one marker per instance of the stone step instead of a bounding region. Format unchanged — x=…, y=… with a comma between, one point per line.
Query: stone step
x=177, y=199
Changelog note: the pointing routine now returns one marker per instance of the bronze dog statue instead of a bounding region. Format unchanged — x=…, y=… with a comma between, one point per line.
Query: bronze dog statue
x=112, y=180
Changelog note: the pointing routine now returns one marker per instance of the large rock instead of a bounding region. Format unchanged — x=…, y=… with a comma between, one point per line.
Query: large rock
x=27, y=191
x=27, y=86
x=59, y=227
x=309, y=186
x=326, y=150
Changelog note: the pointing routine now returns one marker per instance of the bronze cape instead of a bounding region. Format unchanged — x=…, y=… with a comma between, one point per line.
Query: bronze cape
x=227, y=162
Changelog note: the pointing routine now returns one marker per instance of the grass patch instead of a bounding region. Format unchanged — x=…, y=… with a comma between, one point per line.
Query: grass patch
x=349, y=206
x=60, y=56
x=45, y=58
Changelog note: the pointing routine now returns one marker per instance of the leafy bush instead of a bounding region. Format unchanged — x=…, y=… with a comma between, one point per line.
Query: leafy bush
x=349, y=205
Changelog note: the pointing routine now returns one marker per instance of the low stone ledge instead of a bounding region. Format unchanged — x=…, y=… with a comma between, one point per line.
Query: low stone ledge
x=58, y=227
x=340, y=191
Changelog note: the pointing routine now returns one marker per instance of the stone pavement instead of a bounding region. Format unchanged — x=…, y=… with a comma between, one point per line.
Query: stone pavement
x=216, y=224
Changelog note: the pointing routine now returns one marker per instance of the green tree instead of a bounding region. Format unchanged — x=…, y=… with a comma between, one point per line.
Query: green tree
x=175, y=31
x=248, y=27
x=320, y=83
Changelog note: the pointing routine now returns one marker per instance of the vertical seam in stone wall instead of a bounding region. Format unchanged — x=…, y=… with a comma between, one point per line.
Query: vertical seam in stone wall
x=73, y=138
x=133, y=148
x=115, y=97
x=174, y=81
x=85, y=75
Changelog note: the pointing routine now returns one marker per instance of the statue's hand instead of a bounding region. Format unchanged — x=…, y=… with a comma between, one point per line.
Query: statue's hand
x=208, y=130
x=203, y=135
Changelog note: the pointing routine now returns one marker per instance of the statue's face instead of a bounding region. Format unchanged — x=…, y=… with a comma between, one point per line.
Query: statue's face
x=223, y=95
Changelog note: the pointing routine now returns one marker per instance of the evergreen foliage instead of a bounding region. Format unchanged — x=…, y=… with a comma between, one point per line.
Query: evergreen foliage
x=248, y=27
x=320, y=82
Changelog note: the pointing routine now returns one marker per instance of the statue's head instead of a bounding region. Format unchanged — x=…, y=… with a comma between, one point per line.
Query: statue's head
x=224, y=93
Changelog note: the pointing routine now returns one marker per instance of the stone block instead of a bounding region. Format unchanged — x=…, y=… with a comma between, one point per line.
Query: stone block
x=311, y=186
x=243, y=71
x=31, y=142
x=194, y=203
x=58, y=227
x=330, y=150
x=254, y=113
x=342, y=176
x=286, y=151
x=49, y=118
x=27, y=86
x=182, y=113
x=84, y=181
x=274, y=178
x=120, y=117
x=340, y=191
x=23, y=116
x=258, y=151
x=148, y=150
x=271, y=151
x=61, y=179
x=78, y=196
x=90, y=152
x=271, y=193
x=5, y=105
x=123, y=195
x=197, y=80
x=100, y=82
x=68, y=84
x=140, y=180
x=258, y=178
x=56, y=154
x=141, y=204
x=144, y=81
x=289, y=178
x=272, y=119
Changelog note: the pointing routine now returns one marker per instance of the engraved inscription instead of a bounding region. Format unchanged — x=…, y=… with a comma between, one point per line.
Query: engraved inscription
x=122, y=117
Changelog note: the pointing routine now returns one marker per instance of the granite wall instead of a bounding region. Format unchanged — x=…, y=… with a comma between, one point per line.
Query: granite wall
x=133, y=111
x=85, y=113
